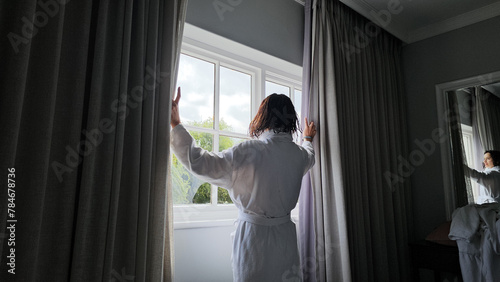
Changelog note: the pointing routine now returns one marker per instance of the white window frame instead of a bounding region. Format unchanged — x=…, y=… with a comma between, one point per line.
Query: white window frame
x=224, y=52
x=470, y=152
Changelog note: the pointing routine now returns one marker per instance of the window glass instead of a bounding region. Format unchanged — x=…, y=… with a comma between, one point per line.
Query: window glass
x=187, y=188
x=196, y=78
x=235, y=100
x=272, y=87
x=226, y=142
x=223, y=196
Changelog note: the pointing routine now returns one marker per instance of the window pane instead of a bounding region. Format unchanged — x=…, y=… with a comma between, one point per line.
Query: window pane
x=196, y=78
x=272, y=87
x=226, y=142
x=187, y=189
x=235, y=98
x=223, y=196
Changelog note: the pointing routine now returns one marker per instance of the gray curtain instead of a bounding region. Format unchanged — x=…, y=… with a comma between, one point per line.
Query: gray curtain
x=324, y=245
x=487, y=115
x=461, y=184
x=85, y=109
x=307, y=234
x=362, y=205
x=477, y=161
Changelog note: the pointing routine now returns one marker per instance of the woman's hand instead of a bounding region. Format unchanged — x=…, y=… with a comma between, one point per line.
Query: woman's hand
x=175, y=118
x=309, y=130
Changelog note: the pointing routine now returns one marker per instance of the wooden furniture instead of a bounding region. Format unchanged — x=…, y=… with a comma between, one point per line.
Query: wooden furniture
x=436, y=257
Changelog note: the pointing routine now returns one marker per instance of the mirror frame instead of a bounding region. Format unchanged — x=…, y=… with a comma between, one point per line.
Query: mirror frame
x=441, y=89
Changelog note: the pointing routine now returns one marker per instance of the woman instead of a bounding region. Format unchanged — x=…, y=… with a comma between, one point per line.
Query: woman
x=489, y=179
x=263, y=177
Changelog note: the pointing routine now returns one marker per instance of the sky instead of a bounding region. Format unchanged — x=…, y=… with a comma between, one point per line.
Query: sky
x=196, y=78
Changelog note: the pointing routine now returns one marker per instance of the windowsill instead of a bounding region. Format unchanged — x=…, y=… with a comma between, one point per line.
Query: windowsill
x=208, y=216
x=204, y=215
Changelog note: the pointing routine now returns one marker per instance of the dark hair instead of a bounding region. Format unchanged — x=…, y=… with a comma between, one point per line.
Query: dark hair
x=495, y=155
x=275, y=113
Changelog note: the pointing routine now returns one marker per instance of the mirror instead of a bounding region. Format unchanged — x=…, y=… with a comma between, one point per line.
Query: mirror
x=469, y=115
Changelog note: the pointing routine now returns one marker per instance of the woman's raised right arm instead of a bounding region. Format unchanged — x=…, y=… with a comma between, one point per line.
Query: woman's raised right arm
x=213, y=168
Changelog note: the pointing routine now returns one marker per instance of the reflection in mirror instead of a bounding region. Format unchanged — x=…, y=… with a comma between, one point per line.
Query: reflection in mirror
x=473, y=116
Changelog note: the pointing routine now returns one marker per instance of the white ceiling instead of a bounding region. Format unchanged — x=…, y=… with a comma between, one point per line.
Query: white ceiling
x=414, y=20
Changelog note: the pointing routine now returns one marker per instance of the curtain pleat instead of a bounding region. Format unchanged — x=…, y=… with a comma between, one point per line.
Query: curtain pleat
x=85, y=111
x=461, y=184
x=487, y=115
x=324, y=250
x=356, y=97
x=171, y=34
x=372, y=140
x=307, y=232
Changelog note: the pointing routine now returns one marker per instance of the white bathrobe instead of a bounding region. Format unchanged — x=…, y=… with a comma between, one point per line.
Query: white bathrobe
x=477, y=232
x=489, y=182
x=263, y=178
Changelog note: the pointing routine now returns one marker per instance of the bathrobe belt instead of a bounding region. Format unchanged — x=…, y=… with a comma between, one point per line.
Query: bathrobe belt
x=266, y=221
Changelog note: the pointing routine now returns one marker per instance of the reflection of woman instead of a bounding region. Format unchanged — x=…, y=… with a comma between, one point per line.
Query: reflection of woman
x=489, y=179
x=263, y=177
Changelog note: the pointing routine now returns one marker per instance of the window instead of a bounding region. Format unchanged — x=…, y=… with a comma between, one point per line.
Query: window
x=467, y=139
x=223, y=84
x=216, y=110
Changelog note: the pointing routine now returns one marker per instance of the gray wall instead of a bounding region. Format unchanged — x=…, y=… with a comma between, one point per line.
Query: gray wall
x=203, y=254
x=275, y=27
x=463, y=53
